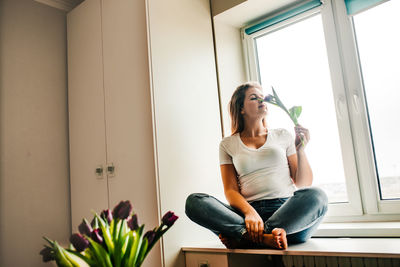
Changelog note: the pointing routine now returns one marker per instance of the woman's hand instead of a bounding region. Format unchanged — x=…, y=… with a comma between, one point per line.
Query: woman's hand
x=302, y=137
x=254, y=226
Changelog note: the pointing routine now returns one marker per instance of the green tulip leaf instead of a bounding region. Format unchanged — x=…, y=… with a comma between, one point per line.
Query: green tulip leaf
x=142, y=253
x=101, y=255
x=295, y=111
x=61, y=259
x=125, y=258
x=106, y=234
x=51, y=242
x=117, y=227
x=134, y=251
x=86, y=256
x=120, y=250
x=76, y=261
x=100, y=220
x=119, y=242
x=112, y=227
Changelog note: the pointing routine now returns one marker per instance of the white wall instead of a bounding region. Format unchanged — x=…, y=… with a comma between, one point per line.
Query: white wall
x=186, y=112
x=34, y=186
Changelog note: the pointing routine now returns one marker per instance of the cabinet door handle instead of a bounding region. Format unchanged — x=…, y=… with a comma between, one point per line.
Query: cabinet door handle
x=99, y=172
x=111, y=170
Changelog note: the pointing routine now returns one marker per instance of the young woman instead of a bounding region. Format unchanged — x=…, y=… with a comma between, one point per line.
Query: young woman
x=261, y=169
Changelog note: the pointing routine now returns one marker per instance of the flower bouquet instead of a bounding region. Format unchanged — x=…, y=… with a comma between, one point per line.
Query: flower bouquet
x=112, y=239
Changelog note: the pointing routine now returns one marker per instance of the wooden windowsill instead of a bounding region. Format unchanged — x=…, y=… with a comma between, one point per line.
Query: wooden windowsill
x=340, y=247
x=360, y=229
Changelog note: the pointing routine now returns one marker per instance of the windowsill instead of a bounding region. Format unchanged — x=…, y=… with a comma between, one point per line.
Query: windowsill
x=339, y=247
x=360, y=229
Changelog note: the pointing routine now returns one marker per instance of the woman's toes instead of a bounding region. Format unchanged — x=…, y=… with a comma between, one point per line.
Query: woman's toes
x=280, y=238
x=278, y=232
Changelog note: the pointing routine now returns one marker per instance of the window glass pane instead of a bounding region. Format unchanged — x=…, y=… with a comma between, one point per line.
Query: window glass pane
x=294, y=61
x=378, y=40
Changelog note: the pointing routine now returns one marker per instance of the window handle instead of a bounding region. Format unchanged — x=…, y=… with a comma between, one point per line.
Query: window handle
x=356, y=103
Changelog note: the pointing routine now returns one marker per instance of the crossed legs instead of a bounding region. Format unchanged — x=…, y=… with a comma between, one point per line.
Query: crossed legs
x=294, y=221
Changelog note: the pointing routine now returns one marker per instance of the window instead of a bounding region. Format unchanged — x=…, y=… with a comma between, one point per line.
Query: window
x=378, y=45
x=340, y=63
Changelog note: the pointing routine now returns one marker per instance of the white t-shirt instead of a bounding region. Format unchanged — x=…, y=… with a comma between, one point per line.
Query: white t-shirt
x=264, y=172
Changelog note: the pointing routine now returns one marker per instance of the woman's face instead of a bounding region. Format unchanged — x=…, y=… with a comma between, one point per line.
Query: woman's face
x=252, y=108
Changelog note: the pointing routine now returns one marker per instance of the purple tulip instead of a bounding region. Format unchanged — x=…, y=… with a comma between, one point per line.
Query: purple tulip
x=269, y=98
x=169, y=218
x=96, y=235
x=85, y=228
x=79, y=242
x=48, y=254
x=106, y=215
x=133, y=222
x=150, y=235
x=122, y=210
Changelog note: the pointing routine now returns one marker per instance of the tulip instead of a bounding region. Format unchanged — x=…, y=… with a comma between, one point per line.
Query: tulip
x=294, y=112
x=106, y=215
x=150, y=235
x=94, y=223
x=47, y=254
x=122, y=210
x=79, y=242
x=85, y=228
x=169, y=218
x=133, y=222
x=96, y=235
x=269, y=99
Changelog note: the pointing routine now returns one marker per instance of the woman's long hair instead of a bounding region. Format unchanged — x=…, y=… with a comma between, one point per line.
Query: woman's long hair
x=236, y=105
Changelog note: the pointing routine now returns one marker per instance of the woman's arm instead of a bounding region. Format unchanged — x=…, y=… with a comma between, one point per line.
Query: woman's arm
x=300, y=169
x=254, y=223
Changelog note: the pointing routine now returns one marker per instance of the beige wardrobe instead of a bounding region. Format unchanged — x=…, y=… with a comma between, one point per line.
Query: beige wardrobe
x=110, y=121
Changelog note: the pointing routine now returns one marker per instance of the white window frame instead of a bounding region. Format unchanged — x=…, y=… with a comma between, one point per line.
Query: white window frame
x=358, y=159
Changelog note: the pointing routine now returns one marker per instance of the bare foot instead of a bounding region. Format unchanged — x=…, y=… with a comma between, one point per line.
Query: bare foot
x=276, y=239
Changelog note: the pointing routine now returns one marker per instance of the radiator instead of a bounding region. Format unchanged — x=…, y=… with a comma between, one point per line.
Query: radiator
x=201, y=259
x=322, y=261
x=237, y=260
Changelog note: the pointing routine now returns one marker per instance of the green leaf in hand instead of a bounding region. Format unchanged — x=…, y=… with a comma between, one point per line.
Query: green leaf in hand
x=295, y=113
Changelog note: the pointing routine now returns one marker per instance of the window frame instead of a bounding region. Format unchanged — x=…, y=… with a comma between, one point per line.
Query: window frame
x=348, y=91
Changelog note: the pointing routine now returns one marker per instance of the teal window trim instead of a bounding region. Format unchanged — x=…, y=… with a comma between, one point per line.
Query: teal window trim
x=356, y=6
x=283, y=16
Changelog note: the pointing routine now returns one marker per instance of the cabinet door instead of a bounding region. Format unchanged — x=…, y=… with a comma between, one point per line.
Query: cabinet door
x=128, y=112
x=86, y=111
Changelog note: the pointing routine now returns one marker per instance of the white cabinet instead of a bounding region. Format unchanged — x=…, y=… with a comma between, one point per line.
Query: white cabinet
x=110, y=111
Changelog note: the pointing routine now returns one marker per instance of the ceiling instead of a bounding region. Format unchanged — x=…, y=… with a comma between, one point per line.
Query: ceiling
x=66, y=5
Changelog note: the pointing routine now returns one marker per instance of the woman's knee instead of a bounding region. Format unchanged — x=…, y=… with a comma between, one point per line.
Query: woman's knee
x=194, y=201
x=317, y=196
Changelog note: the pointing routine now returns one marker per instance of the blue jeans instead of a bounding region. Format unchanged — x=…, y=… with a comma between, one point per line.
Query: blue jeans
x=299, y=215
